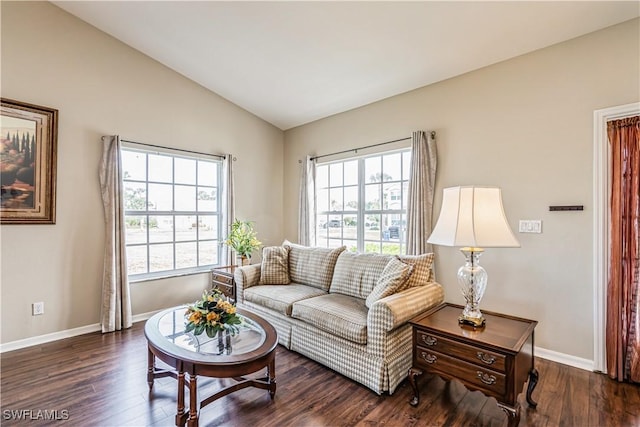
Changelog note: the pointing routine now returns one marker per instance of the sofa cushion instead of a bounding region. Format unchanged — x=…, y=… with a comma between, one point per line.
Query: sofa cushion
x=422, y=269
x=280, y=298
x=393, y=278
x=337, y=314
x=275, y=265
x=312, y=266
x=357, y=274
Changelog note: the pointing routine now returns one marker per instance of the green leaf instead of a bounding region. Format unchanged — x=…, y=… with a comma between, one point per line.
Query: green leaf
x=190, y=327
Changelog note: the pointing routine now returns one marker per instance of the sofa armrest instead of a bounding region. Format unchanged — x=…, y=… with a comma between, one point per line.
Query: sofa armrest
x=394, y=311
x=245, y=277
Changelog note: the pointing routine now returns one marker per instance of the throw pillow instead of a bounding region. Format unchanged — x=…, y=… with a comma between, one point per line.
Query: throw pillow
x=275, y=266
x=392, y=280
x=422, y=269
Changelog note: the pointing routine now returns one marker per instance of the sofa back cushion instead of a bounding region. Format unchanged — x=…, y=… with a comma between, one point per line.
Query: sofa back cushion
x=312, y=266
x=357, y=274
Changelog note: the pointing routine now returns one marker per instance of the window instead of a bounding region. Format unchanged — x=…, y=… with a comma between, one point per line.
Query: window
x=172, y=213
x=362, y=203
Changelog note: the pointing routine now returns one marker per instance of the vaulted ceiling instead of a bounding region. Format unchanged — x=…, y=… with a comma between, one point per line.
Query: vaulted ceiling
x=291, y=63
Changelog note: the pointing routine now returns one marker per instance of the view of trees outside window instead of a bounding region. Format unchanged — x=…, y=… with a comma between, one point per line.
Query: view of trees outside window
x=172, y=213
x=361, y=203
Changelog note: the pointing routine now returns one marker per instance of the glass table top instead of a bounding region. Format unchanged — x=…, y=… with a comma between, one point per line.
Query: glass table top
x=249, y=337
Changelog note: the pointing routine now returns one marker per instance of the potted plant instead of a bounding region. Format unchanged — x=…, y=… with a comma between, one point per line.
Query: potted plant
x=242, y=239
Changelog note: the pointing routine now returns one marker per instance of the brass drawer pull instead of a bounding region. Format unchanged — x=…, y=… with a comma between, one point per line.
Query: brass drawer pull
x=429, y=358
x=486, y=378
x=486, y=358
x=429, y=340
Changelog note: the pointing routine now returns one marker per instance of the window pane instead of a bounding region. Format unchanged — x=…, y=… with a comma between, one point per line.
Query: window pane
x=351, y=173
x=391, y=166
x=335, y=199
x=406, y=164
x=160, y=168
x=160, y=229
x=350, y=227
x=322, y=242
x=391, y=196
x=405, y=193
x=373, y=169
x=208, y=227
x=207, y=199
x=391, y=248
x=372, y=197
x=207, y=173
x=135, y=196
x=372, y=247
x=208, y=253
x=135, y=229
x=322, y=200
x=136, y=259
x=334, y=243
x=322, y=176
x=186, y=227
x=134, y=165
x=160, y=197
x=186, y=255
x=160, y=257
x=372, y=227
x=185, y=198
x=334, y=226
x=185, y=171
x=352, y=245
x=335, y=174
x=350, y=198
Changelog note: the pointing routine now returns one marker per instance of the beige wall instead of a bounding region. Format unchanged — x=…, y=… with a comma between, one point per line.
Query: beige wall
x=101, y=86
x=525, y=125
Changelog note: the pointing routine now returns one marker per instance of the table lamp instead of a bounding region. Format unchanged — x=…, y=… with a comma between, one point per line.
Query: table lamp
x=472, y=217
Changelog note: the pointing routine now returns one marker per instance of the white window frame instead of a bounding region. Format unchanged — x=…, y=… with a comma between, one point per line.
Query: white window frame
x=176, y=212
x=324, y=217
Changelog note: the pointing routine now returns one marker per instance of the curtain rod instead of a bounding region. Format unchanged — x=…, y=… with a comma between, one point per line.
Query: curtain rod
x=432, y=133
x=220, y=156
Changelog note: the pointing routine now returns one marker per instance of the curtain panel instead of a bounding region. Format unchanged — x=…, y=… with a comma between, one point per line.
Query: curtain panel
x=623, y=293
x=306, y=203
x=116, y=299
x=422, y=177
x=228, y=206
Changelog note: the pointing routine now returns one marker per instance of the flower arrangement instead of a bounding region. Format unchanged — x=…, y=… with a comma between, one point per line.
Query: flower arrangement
x=243, y=238
x=211, y=314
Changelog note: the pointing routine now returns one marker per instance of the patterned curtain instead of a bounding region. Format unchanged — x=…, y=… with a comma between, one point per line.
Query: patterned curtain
x=623, y=294
x=306, y=204
x=422, y=179
x=228, y=206
x=116, y=300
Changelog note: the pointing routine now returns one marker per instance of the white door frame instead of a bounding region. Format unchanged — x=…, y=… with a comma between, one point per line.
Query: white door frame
x=601, y=249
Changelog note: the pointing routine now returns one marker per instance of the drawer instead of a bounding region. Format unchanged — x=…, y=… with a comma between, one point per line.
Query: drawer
x=221, y=278
x=470, y=374
x=495, y=361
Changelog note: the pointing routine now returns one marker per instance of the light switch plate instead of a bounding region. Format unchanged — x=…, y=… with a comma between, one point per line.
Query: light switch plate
x=530, y=226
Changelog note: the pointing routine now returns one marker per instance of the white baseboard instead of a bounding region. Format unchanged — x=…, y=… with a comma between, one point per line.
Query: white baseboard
x=565, y=359
x=54, y=336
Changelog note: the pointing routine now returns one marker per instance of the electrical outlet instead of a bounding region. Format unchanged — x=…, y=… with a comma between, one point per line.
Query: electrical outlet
x=37, y=308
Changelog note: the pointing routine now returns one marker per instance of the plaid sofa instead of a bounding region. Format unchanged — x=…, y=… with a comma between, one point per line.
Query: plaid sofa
x=322, y=311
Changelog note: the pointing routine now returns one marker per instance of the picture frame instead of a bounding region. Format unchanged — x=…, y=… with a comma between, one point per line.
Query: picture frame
x=28, y=158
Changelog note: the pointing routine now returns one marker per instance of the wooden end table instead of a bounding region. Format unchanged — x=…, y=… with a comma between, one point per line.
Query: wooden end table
x=222, y=279
x=496, y=359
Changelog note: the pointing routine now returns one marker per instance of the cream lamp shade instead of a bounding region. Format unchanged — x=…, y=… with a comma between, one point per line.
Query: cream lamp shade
x=473, y=216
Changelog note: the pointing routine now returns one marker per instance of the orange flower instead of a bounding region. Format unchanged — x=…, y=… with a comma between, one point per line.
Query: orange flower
x=212, y=317
x=231, y=310
x=195, y=317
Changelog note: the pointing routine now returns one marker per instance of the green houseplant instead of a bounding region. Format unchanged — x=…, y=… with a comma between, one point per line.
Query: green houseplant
x=243, y=239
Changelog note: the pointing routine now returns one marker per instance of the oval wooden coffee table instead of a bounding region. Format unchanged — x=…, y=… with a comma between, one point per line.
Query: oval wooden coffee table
x=223, y=356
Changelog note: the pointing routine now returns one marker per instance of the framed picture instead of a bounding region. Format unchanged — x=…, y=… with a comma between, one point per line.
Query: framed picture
x=28, y=142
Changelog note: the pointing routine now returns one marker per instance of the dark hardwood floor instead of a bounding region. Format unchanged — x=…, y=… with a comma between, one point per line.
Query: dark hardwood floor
x=100, y=380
